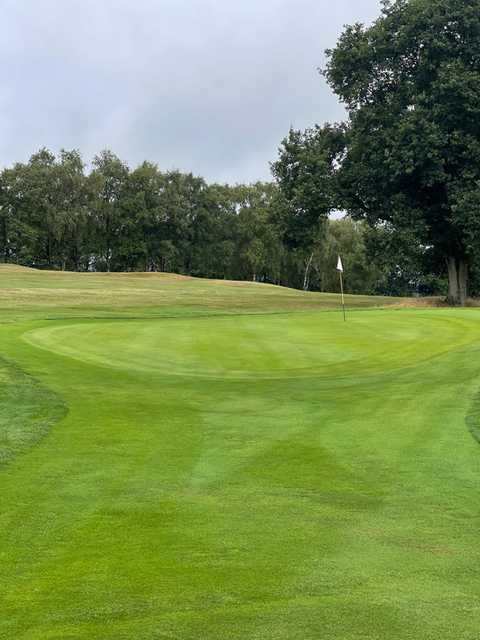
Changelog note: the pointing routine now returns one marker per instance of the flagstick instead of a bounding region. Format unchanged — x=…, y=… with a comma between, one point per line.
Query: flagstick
x=343, y=297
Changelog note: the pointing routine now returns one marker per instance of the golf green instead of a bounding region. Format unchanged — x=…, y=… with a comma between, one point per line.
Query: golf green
x=259, y=475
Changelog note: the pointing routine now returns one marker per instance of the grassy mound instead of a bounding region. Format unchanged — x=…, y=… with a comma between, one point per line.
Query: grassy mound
x=37, y=293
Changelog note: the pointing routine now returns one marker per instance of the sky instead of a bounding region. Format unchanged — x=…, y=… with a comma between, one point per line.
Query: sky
x=208, y=86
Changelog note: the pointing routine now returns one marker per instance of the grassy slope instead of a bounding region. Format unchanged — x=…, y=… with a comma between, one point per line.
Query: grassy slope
x=263, y=476
x=28, y=291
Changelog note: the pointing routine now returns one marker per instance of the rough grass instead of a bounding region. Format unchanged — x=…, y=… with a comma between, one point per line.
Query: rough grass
x=24, y=290
x=233, y=473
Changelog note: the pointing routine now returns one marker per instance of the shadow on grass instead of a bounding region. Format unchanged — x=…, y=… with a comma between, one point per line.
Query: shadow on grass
x=472, y=419
x=28, y=410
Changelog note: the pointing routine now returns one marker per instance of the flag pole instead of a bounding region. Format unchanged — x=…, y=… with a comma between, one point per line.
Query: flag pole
x=343, y=296
x=340, y=273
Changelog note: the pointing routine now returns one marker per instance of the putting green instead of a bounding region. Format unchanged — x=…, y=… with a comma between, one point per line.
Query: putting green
x=271, y=476
x=281, y=346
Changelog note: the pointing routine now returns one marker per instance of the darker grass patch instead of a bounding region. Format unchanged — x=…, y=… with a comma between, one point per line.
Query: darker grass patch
x=28, y=410
x=472, y=419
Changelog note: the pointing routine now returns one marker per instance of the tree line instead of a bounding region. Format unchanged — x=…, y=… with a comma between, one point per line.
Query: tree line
x=56, y=215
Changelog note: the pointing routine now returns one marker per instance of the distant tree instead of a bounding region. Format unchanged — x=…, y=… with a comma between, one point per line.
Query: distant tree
x=178, y=205
x=72, y=200
x=43, y=207
x=108, y=182
x=411, y=83
x=223, y=231
x=346, y=238
x=140, y=205
x=18, y=230
x=206, y=227
x=306, y=175
x=256, y=236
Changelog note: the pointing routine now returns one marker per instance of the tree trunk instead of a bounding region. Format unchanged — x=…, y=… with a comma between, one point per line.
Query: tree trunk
x=307, y=273
x=457, y=281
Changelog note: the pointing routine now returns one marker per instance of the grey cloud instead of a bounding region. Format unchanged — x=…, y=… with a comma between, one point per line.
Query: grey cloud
x=208, y=86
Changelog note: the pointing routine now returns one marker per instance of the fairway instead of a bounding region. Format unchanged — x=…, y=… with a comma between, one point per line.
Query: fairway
x=207, y=460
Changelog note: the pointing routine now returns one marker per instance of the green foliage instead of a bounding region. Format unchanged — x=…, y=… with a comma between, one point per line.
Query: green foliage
x=55, y=215
x=109, y=179
x=305, y=173
x=345, y=237
x=410, y=83
x=404, y=266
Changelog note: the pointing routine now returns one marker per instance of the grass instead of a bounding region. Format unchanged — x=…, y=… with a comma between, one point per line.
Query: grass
x=227, y=461
x=35, y=293
x=27, y=411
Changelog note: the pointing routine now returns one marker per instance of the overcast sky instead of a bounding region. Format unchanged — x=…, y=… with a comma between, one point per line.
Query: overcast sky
x=209, y=86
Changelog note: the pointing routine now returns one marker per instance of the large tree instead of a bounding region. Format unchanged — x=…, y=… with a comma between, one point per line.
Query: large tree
x=411, y=85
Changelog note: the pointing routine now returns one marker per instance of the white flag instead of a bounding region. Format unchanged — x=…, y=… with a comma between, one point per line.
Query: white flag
x=339, y=264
